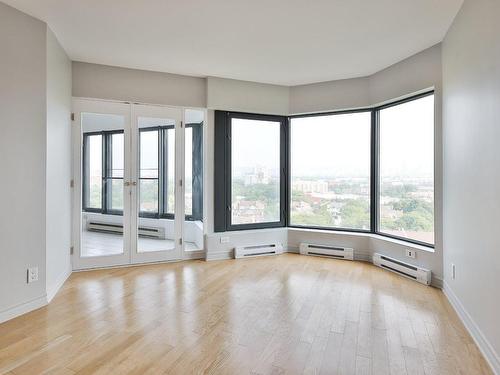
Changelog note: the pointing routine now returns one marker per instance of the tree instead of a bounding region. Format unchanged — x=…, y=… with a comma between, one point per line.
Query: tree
x=355, y=213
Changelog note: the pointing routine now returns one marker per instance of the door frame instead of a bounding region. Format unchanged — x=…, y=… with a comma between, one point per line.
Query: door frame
x=105, y=107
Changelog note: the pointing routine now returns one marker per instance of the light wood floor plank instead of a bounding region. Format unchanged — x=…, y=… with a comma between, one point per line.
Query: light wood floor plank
x=286, y=314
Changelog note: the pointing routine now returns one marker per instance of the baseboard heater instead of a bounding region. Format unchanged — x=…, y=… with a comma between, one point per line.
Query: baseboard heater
x=328, y=251
x=410, y=271
x=99, y=226
x=257, y=250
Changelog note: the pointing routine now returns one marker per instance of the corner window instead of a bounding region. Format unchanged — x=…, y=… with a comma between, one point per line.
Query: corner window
x=330, y=171
x=369, y=170
x=406, y=170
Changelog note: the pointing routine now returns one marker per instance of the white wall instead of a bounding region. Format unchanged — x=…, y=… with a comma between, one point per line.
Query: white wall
x=132, y=85
x=329, y=96
x=471, y=114
x=22, y=159
x=35, y=162
x=243, y=96
x=414, y=74
x=58, y=194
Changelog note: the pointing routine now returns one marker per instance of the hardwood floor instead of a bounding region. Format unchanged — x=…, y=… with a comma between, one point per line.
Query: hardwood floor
x=287, y=314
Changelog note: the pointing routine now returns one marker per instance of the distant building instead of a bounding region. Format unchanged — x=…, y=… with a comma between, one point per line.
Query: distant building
x=248, y=212
x=308, y=186
x=258, y=176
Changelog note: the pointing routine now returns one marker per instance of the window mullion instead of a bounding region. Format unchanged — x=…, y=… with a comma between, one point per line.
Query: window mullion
x=104, y=187
x=374, y=173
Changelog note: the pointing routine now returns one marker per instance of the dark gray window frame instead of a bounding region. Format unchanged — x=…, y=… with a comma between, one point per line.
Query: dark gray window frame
x=163, y=213
x=106, y=169
x=222, y=171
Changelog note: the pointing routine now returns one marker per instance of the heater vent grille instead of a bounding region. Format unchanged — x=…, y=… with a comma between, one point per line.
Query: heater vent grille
x=257, y=250
x=410, y=271
x=327, y=251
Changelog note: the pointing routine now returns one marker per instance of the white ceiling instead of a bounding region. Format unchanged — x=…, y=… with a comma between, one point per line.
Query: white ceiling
x=286, y=42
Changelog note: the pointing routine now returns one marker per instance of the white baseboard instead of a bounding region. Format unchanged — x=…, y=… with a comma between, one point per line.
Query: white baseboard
x=220, y=255
x=363, y=255
x=481, y=341
x=437, y=282
x=23, y=308
x=193, y=255
x=53, y=289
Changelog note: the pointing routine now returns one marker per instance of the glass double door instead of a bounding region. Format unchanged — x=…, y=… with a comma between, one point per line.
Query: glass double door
x=138, y=183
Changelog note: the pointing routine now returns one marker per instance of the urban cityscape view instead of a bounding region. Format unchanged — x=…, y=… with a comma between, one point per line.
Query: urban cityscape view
x=406, y=204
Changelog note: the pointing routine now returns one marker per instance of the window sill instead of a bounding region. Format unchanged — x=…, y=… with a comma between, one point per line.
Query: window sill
x=368, y=235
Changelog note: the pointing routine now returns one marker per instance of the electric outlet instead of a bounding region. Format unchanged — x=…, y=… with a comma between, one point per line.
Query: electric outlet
x=453, y=272
x=224, y=240
x=410, y=253
x=32, y=274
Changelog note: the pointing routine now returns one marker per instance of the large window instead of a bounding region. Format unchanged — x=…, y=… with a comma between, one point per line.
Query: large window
x=254, y=189
x=255, y=171
x=370, y=170
x=330, y=171
x=406, y=170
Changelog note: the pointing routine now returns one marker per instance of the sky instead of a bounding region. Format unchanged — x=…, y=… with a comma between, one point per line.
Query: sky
x=339, y=145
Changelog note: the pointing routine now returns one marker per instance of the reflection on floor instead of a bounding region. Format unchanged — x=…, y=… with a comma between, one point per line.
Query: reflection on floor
x=287, y=314
x=100, y=244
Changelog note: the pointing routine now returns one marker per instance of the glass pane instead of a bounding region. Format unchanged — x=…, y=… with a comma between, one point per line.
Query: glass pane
x=148, y=160
x=149, y=154
x=407, y=170
x=189, y=172
x=149, y=196
x=117, y=155
x=116, y=194
x=93, y=172
x=155, y=225
x=330, y=171
x=255, y=159
x=193, y=224
x=114, y=180
x=102, y=229
x=170, y=191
